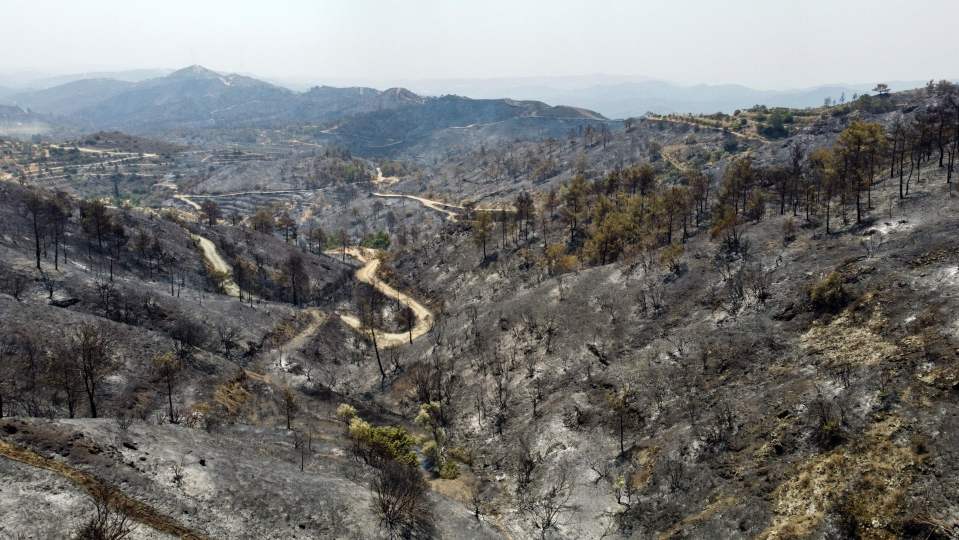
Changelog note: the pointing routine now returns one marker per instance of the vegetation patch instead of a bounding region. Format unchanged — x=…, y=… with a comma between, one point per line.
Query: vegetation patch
x=232, y=394
x=845, y=341
x=829, y=295
x=862, y=486
x=376, y=443
x=706, y=513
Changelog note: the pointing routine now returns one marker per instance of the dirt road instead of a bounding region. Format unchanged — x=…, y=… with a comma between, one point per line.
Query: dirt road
x=384, y=180
x=187, y=200
x=452, y=211
x=216, y=262
x=367, y=274
x=442, y=207
x=749, y=136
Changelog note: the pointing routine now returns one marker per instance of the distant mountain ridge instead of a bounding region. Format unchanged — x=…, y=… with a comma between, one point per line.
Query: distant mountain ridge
x=622, y=97
x=19, y=122
x=32, y=81
x=199, y=98
x=68, y=98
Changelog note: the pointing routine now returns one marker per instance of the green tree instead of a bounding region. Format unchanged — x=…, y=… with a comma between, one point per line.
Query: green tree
x=574, y=203
x=822, y=167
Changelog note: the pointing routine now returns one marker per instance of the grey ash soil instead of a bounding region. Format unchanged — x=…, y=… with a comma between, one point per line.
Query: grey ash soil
x=887, y=360
x=225, y=490
x=755, y=413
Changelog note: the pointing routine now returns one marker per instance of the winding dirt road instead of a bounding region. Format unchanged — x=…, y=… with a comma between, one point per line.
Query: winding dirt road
x=367, y=274
x=187, y=200
x=213, y=258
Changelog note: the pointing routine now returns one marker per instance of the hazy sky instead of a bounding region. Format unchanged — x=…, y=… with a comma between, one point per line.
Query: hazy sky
x=763, y=43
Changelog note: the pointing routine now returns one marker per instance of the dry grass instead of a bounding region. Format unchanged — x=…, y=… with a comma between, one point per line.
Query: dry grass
x=774, y=438
x=699, y=517
x=870, y=477
x=231, y=396
x=646, y=460
x=847, y=341
x=457, y=489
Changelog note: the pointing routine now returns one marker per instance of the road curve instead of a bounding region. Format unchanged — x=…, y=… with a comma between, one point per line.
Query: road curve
x=431, y=204
x=452, y=211
x=384, y=180
x=186, y=199
x=367, y=274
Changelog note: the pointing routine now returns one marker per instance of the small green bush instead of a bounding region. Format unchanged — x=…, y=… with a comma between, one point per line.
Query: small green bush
x=345, y=412
x=829, y=295
x=378, y=240
x=376, y=443
x=461, y=454
x=449, y=470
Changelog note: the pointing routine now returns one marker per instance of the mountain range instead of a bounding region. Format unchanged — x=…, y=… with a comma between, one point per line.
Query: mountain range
x=199, y=98
x=624, y=96
x=367, y=120
x=202, y=97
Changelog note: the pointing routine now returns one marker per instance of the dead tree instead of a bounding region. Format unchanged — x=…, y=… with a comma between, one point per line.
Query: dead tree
x=399, y=500
x=167, y=367
x=547, y=508
x=92, y=347
x=368, y=302
x=109, y=521
x=290, y=406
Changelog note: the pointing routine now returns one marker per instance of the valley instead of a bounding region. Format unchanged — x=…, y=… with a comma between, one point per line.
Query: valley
x=350, y=313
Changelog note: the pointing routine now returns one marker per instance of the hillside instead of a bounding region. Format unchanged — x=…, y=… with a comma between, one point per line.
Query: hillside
x=70, y=98
x=538, y=324
x=116, y=141
x=19, y=122
x=395, y=130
